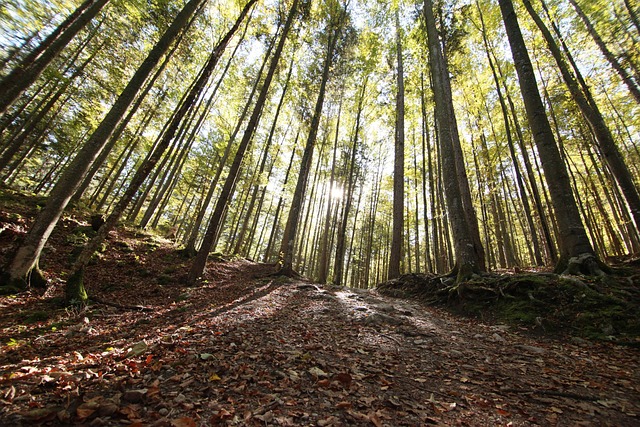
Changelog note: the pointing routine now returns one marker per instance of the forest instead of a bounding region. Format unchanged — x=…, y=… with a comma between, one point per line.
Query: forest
x=181, y=164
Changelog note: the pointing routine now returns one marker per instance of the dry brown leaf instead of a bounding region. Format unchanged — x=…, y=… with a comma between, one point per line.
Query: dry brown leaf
x=183, y=422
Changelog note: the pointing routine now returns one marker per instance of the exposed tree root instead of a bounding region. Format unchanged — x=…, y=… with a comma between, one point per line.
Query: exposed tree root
x=120, y=306
x=33, y=279
x=287, y=272
x=587, y=264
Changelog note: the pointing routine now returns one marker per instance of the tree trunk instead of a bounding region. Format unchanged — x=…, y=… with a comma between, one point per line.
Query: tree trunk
x=342, y=229
x=468, y=260
x=632, y=85
x=200, y=261
x=398, y=164
x=75, y=286
x=288, y=240
x=576, y=252
x=591, y=113
x=24, y=267
x=30, y=68
x=323, y=263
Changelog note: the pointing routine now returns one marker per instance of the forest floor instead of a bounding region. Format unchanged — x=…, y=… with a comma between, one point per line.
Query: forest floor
x=252, y=349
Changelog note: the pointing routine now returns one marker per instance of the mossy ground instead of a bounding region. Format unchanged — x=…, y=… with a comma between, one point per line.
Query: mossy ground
x=587, y=307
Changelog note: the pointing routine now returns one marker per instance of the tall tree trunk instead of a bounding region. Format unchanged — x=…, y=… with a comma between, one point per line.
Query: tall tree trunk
x=241, y=241
x=24, y=270
x=30, y=68
x=467, y=253
x=288, y=240
x=75, y=287
x=576, y=252
x=632, y=85
x=424, y=135
x=342, y=229
x=200, y=261
x=190, y=246
x=323, y=263
x=395, y=255
x=276, y=216
x=591, y=113
x=537, y=252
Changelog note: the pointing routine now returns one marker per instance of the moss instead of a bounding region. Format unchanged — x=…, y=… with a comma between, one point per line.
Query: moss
x=75, y=293
x=521, y=311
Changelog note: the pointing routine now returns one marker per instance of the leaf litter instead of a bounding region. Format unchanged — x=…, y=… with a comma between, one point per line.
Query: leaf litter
x=252, y=349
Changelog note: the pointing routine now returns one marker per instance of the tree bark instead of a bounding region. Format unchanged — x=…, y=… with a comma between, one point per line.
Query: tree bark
x=200, y=261
x=288, y=240
x=30, y=68
x=468, y=260
x=576, y=251
x=75, y=285
x=396, y=252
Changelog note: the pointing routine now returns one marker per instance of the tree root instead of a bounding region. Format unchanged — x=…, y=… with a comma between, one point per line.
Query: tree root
x=121, y=306
x=587, y=264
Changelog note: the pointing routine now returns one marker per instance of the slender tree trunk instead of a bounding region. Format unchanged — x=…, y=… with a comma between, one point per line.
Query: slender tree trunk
x=75, y=287
x=594, y=118
x=288, y=240
x=468, y=259
x=241, y=241
x=30, y=68
x=576, y=252
x=190, y=246
x=398, y=164
x=323, y=263
x=632, y=85
x=342, y=229
x=200, y=261
x=537, y=252
x=276, y=216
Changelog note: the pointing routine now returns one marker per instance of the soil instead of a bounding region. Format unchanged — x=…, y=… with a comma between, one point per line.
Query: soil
x=253, y=349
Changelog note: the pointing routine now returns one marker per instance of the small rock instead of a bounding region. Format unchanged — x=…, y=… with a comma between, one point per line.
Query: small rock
x=378, y=318
x=181, y=398
x=307, y=287
x=386, y=308
x=497, y=338
x=532, y=349
x=360, y=308
x=163, y=412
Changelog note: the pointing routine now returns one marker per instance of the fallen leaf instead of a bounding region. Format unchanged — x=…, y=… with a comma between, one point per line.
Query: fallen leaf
x=183, y=422
x=317, y=372
x=137, y=349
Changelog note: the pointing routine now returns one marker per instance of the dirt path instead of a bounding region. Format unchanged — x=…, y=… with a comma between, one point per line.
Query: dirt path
x=255, y=350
